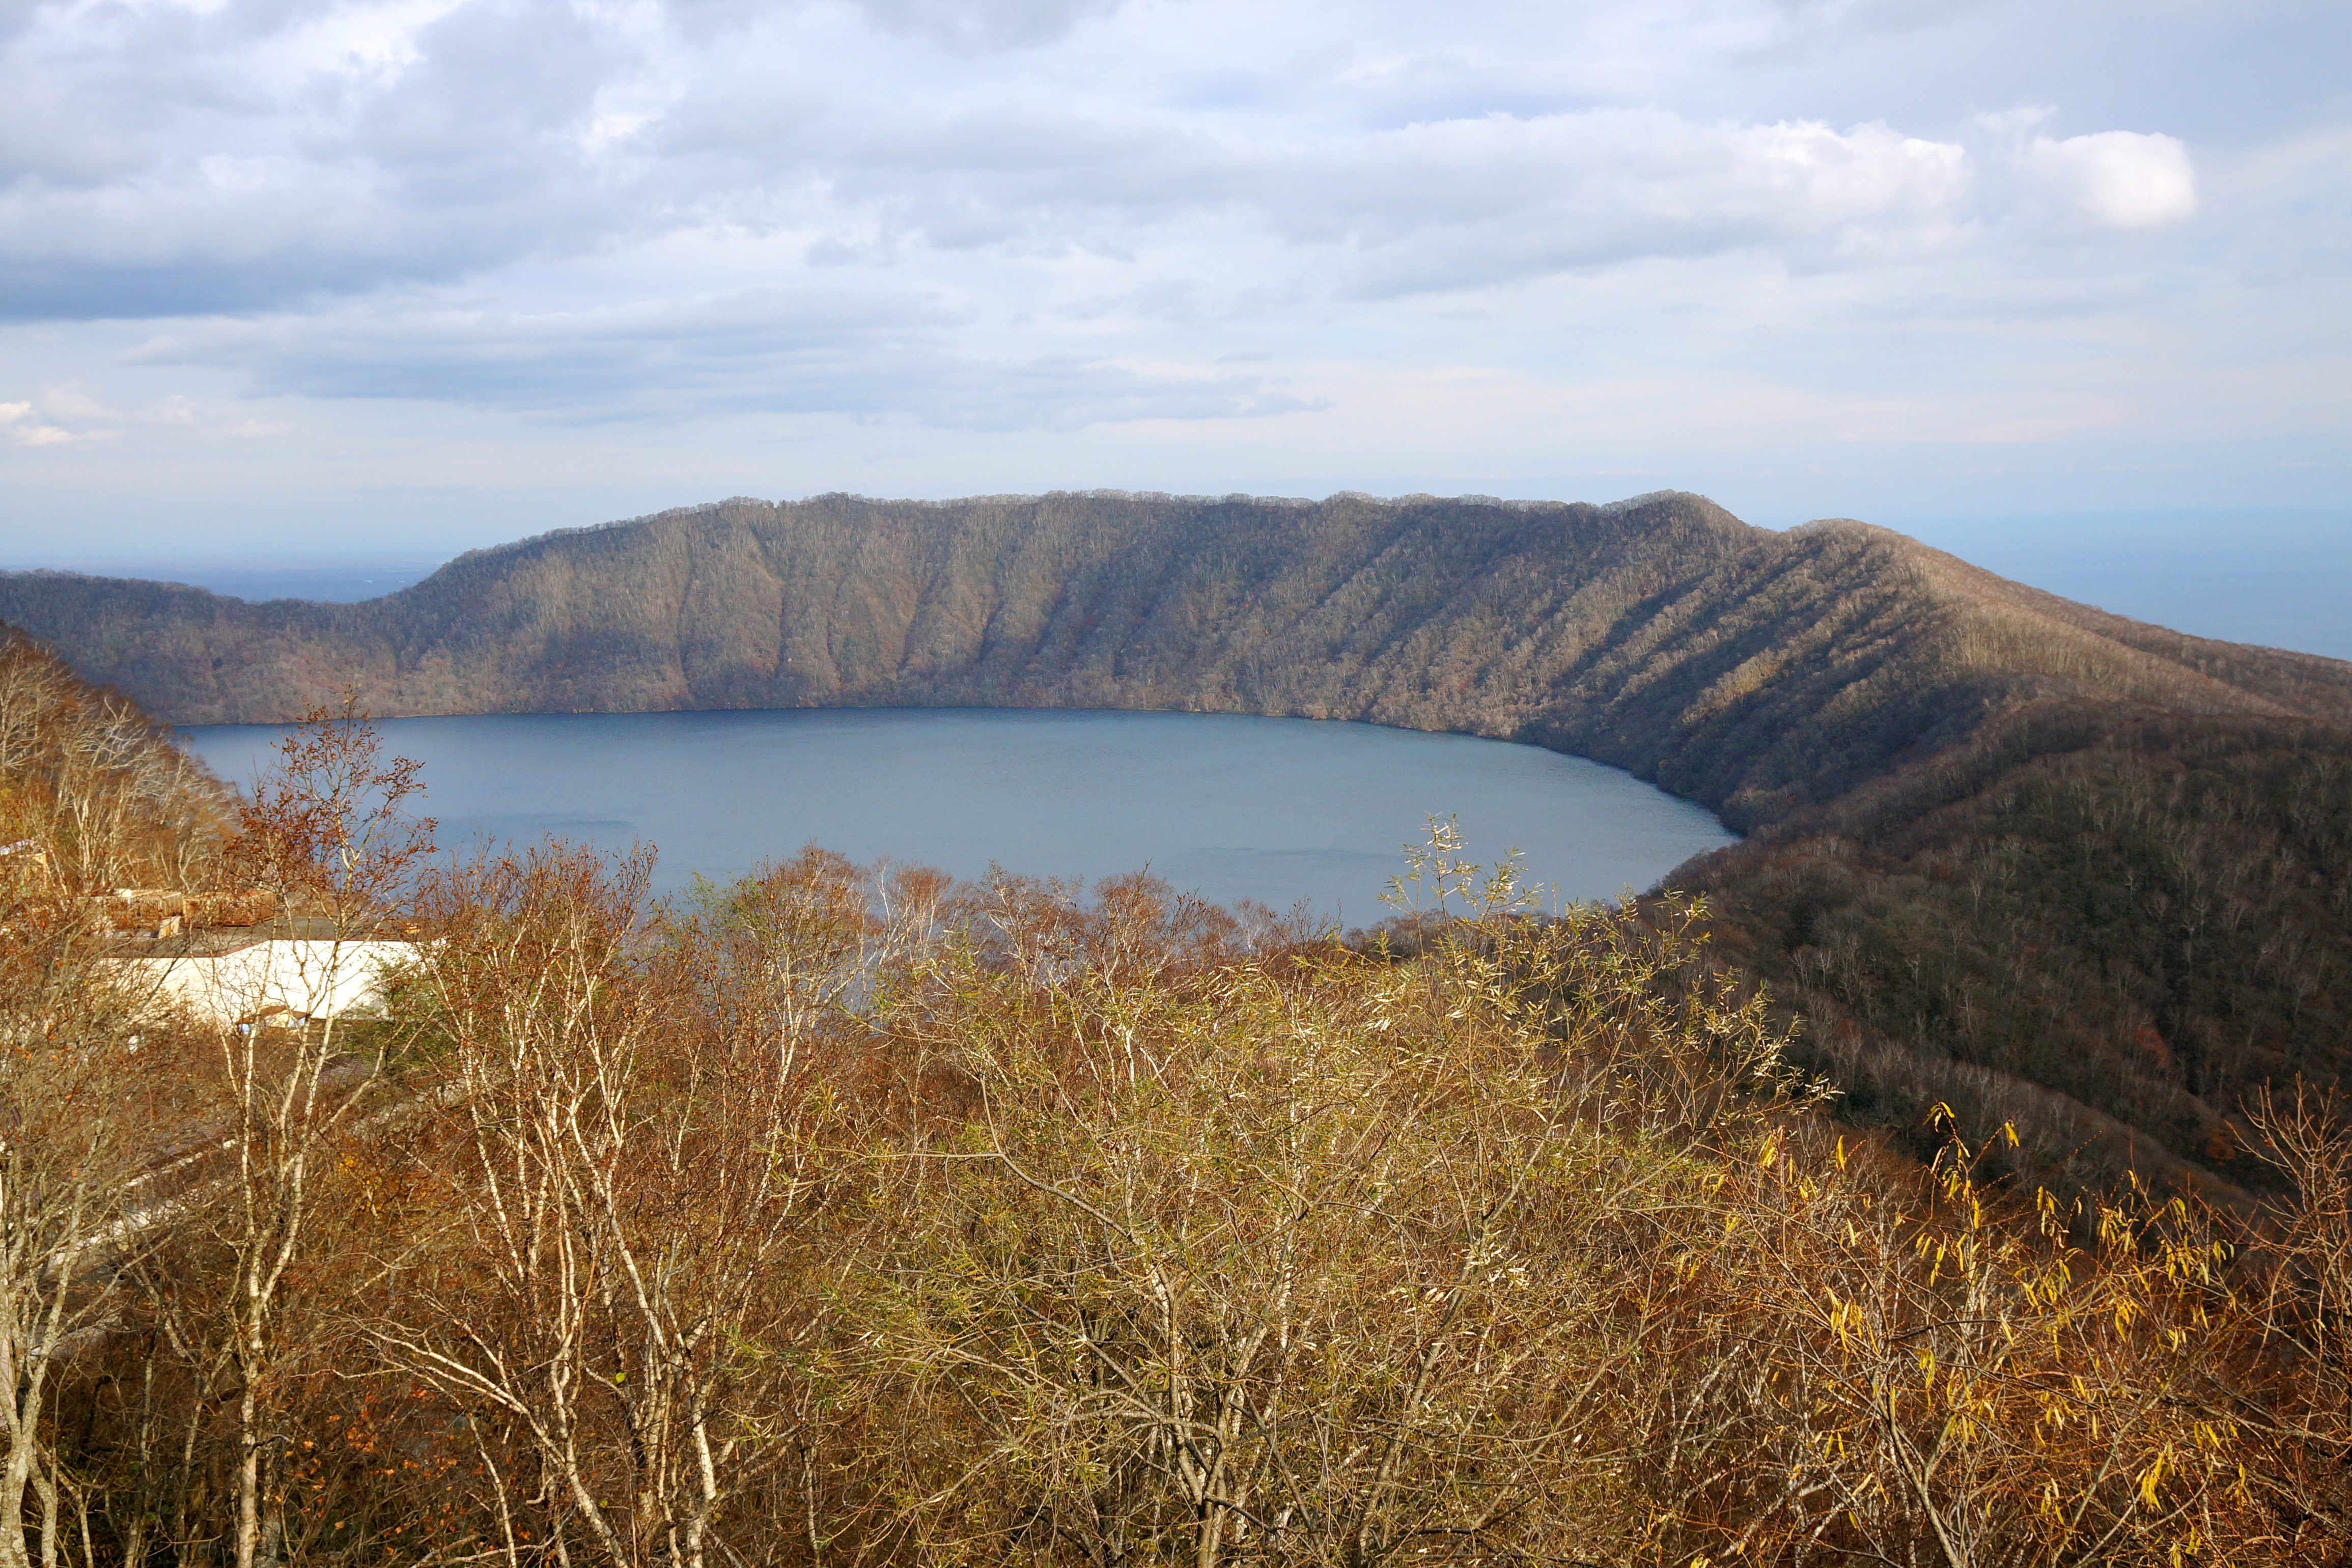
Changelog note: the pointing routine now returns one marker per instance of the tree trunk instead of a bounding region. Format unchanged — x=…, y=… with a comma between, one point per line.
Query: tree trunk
x=248, y=1476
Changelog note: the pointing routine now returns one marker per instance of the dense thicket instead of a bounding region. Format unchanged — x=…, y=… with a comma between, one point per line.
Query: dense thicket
x=841, y=1217
x=2010, y=853
x=2151, y=914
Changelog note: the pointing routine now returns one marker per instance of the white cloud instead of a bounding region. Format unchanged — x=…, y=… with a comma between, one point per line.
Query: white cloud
x=57, y=436
x=71, y=403
x=1479, y=201
x=265, y=158
x=805, y=350
x=1437, y=203
x=970, y=25
x=43, y=436
x=980, y=223
x=2121, y=179
x=60, y=417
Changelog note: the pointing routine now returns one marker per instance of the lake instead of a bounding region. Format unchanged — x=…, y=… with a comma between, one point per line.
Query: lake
x=1271, y=809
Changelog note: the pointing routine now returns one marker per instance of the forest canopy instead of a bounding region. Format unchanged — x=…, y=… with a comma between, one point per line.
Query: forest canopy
x=2043, y=864
x=841, y=1214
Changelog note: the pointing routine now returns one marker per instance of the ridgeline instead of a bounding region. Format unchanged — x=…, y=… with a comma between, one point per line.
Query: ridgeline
x=2008, y=853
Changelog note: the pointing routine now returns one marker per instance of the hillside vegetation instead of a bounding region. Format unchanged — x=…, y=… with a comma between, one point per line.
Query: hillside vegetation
x=92, y=795
x=1750, y=671
x=2009, y=853
x=840, y=1216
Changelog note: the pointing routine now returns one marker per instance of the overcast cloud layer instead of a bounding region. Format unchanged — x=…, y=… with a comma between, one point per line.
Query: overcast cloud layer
x=336, y=278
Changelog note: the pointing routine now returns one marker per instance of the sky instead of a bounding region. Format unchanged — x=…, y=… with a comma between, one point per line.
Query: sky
x=304, y=282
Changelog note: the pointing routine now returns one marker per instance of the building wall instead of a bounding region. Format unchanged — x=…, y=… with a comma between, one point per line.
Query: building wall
x=320, y=979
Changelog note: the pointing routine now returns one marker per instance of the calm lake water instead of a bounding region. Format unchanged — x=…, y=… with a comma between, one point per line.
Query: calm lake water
x=1271, y=809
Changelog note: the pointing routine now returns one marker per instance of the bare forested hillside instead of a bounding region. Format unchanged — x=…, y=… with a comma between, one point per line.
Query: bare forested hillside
x=93, y=793
x=842, y=1214
x=2010, y=853
x=1751, y=670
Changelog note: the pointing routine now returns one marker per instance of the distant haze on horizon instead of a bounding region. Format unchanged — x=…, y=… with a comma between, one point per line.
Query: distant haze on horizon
x=318, y=284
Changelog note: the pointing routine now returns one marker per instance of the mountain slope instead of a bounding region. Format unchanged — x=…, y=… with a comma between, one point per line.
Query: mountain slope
x=2009, y=853
x=1753, y=671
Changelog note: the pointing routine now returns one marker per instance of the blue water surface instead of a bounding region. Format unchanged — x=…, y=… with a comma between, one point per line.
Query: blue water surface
x=1276, y=810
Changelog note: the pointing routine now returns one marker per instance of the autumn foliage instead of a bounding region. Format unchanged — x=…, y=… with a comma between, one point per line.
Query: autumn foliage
x=843, y=1215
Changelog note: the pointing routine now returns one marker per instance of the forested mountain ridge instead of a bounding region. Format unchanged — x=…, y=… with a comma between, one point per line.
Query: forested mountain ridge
x=2011, y=852
x=1751, y=670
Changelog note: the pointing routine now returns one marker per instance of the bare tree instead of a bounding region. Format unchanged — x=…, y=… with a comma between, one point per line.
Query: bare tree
x=96, y=792
x=1256, y=1258
x=88, y=1069
x=89, y=1066
x=77, y=1135
x=325, y=832
x=792, y=949
x=2294, y=1386
x=608, y=1298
